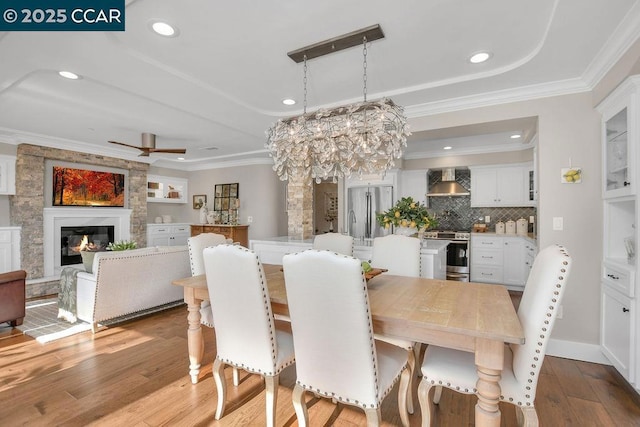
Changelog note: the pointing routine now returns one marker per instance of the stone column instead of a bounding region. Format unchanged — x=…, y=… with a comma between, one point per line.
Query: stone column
x=300, y=207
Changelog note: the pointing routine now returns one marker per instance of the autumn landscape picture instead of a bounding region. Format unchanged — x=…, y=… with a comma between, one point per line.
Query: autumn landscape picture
x=80, y=187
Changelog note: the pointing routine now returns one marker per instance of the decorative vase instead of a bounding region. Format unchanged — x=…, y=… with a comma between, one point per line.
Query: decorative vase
x=405, y=231
x=203, y=214
x=87, y=260
x=211, y=217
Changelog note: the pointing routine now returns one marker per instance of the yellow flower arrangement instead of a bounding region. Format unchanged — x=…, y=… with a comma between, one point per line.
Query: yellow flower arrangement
x=407, y=213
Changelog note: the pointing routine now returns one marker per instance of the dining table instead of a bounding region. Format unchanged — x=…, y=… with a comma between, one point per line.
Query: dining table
x=473, y=317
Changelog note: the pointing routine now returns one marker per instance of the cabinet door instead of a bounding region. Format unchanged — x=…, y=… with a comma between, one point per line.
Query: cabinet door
x=514, y=262
x=159, y=240
x=616, y=153
x=510, y=186
x=483, y=187
x=5, y=258
x=413, y=184
x=615, y=334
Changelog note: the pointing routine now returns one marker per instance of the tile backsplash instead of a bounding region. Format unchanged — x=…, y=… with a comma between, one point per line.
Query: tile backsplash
x=456, y=213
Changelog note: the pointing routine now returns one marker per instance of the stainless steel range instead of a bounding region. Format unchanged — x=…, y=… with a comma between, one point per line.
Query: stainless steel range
x=457, y=252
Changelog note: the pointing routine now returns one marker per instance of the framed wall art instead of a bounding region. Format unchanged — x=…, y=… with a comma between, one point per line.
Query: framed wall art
x=227, y=202
x=199, y=200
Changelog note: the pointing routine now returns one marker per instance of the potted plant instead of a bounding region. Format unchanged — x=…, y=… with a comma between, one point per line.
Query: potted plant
x=122, y=245
x=408, y=217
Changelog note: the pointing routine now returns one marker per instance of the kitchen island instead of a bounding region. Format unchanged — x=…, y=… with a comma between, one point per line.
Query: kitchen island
x=433, y=254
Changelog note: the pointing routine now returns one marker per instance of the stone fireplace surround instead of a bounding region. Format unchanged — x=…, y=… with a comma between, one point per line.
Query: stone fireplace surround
x=27, y=208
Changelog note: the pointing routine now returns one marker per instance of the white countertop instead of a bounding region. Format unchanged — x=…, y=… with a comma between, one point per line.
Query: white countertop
x=428, y=246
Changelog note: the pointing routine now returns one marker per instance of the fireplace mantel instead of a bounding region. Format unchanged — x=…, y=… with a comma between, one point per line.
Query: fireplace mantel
x=56, y=218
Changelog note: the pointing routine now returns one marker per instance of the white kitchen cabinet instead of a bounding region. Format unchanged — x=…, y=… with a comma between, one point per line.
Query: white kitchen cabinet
x=9, y=249
x=619, y=326
x=413, y=183
x=501, y=259
x=530, y=251
x=7, y=174
x=617, y=331
x=620, y=138
x=500, y=185
x=168, y=234
x=515, y=268
x=165, y=189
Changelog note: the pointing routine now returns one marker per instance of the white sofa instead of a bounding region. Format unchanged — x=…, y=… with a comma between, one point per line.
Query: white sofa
x=127, y=282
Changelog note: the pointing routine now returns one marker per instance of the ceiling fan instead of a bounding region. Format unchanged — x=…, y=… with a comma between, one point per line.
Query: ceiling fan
x=149, y=146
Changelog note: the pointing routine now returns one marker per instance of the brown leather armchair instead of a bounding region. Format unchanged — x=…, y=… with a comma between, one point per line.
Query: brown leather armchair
x=12, y=297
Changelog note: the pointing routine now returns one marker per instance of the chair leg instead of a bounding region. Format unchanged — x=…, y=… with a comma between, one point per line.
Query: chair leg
x=426, y=405
x=437, y=395
x=373, y=417
x=236, y=377
x=412, y=369
x=300, y=406
x=271, y=385
x=527, y=416
x=221, y=387
x=416, y=350
x=403, y=392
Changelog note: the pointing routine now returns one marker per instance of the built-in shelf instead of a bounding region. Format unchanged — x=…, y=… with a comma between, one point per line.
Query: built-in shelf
x=165, y=189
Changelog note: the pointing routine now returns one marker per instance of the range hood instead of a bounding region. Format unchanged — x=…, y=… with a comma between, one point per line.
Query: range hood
x=448, y=186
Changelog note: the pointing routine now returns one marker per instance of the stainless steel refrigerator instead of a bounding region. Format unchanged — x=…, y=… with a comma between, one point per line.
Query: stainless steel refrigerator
x=363, y=203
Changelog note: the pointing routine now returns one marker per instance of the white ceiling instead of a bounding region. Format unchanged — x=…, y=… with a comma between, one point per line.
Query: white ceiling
x=220, y=83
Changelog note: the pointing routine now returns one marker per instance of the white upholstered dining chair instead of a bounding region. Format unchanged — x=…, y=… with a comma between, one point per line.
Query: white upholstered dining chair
x=246, y=336
x=336, y=353
x=456, y=369
x=400, y=255
x=336, y=242
x=196, y=245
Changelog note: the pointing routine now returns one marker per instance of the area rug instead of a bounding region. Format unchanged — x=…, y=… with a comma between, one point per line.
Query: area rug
x=41, y=322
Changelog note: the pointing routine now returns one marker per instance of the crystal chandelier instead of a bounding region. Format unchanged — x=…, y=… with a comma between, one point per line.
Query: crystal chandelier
x=360, y=138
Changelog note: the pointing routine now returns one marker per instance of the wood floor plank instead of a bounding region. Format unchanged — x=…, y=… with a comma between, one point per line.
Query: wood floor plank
x=136, y=374
x=571, y=379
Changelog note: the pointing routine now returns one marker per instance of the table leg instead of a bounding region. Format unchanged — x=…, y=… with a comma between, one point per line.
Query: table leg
x=489, y=358
x=195, y=340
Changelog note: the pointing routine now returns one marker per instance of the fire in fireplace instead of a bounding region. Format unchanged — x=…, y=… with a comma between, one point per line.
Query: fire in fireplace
x=96, y=238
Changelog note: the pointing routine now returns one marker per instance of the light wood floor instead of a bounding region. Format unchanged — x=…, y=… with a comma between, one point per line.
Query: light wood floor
x=135, y=374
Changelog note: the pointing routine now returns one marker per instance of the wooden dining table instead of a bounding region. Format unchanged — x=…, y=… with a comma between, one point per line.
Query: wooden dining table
x=473, y=317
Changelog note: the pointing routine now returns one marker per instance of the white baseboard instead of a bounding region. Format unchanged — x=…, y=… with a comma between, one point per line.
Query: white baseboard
x=577, y=351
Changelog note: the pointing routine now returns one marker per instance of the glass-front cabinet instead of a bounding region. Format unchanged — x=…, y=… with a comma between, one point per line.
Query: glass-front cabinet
x=620, y=303
x=617, y=165
x=619, y=135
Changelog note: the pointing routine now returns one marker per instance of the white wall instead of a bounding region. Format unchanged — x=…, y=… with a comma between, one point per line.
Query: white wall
x=261, y=196
x=568, y=127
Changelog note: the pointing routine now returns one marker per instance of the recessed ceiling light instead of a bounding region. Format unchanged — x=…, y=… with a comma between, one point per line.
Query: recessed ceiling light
x=448, y=147
x=289, y=101
x=69, y=75
x=516, y=136
x=164, y=29
x=479, y=57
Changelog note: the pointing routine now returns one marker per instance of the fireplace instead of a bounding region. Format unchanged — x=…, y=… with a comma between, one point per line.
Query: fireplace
x=75, y=239
x=78, y=219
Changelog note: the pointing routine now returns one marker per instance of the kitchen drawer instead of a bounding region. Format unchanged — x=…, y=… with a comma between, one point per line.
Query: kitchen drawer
x=486, y=274
x=618, y=278
x=487, y=242
x=482, y=256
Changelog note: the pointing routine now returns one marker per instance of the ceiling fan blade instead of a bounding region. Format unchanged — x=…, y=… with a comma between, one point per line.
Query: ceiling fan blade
x=168, y=150
x=126, y=145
